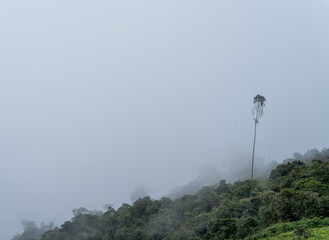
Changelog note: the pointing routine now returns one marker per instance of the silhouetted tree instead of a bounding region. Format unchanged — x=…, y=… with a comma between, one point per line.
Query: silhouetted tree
x=257, y=112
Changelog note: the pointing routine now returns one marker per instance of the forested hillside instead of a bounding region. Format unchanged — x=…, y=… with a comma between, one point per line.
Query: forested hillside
x=294, y=191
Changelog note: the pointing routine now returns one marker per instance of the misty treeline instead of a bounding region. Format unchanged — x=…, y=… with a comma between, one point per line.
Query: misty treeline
x=309, y=156
x=210, y=175
x=294, y=190
x=32, y=231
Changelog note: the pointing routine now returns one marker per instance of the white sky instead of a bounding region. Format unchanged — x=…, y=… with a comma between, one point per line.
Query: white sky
x=99, y=97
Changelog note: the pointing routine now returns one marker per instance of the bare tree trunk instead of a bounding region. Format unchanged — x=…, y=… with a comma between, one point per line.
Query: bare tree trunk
x=253, y=154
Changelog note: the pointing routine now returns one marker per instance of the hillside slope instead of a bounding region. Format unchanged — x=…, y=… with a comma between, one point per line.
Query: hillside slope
x=243, y=209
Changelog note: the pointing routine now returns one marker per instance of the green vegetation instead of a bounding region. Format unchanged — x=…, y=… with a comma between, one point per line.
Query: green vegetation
x=314, y=234
x=292, y=202
x=305, y=228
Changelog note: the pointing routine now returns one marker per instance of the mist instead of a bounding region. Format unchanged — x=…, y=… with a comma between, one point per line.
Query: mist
x=100, y=98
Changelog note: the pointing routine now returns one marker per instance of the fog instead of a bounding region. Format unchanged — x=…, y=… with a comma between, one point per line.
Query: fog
x=100, y=98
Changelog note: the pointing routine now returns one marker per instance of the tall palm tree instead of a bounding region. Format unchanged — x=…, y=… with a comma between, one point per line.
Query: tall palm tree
x=257, y=112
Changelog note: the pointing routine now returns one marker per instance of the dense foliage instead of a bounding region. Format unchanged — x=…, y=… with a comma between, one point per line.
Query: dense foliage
x=294, y=191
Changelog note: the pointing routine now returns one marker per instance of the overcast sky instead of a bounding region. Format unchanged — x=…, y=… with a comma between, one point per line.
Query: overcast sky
x=100, y=97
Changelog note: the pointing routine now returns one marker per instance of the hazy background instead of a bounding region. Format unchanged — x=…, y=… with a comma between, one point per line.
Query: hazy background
x=100, y=97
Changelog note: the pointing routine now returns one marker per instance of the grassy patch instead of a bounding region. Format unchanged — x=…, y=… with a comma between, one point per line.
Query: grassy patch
x=318, y=227
x=316, y=234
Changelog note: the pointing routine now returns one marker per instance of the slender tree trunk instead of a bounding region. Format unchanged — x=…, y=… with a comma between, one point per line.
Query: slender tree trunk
x=253, y=153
